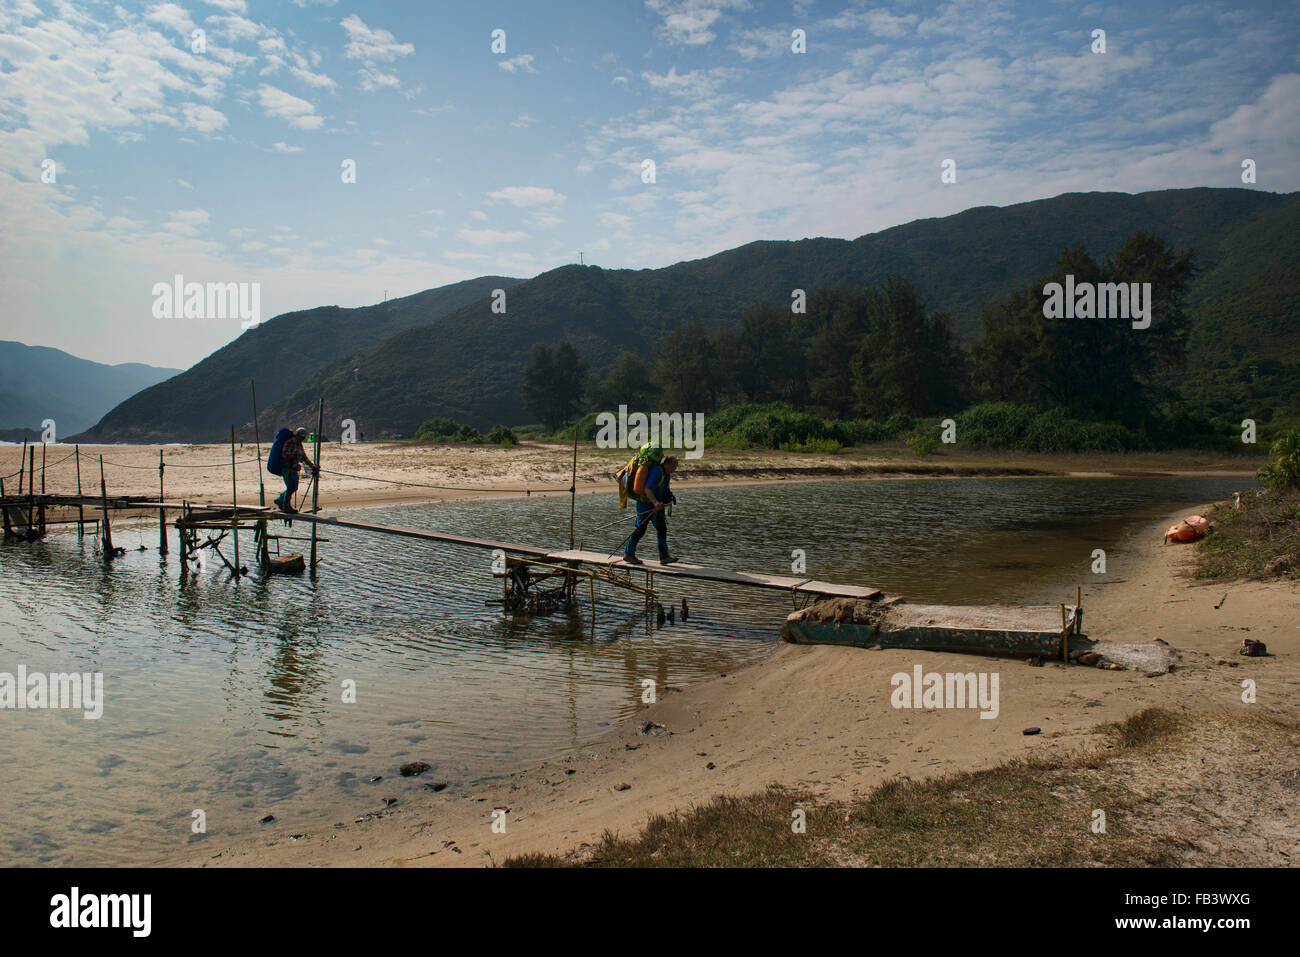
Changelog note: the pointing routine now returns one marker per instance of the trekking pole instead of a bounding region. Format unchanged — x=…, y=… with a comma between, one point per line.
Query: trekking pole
x=649, y=515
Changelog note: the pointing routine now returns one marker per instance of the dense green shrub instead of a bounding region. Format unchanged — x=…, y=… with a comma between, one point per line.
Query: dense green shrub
x=439, y=427
x=500, y=435
x=1284, y=471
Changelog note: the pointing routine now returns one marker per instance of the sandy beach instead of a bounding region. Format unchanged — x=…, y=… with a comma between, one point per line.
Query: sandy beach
x=362, y=473
x=819, y=719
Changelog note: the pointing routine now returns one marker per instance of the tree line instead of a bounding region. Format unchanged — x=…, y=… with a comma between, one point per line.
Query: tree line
x=878, y=350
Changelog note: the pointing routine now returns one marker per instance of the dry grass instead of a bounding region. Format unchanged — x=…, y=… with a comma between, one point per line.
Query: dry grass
x=1261, y=539
x=1149, y=776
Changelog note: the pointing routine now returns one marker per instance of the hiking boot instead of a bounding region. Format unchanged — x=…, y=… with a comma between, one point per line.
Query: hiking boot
x=631, y=559
x=667, y=560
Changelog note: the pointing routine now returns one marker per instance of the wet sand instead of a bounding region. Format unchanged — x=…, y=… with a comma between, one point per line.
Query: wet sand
x=819, y=718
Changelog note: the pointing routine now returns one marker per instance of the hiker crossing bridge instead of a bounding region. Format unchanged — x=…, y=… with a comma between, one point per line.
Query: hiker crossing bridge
x=534, y=578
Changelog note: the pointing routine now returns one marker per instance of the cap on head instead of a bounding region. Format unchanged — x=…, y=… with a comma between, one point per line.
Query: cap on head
x=301, y=433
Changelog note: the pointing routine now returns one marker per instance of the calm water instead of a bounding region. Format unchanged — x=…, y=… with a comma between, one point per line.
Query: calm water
x=228, y=697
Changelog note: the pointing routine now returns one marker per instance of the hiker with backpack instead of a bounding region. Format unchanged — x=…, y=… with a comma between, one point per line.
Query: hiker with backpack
x=648, y=484
x=288, y=452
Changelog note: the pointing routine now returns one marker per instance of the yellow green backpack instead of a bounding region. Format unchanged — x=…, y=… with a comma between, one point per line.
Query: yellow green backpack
x=632, y=477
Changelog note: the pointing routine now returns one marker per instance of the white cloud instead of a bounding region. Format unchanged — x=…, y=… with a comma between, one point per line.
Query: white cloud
x=319, y=80
x=172, y=16
x=522, y=62
x=186, y=222
x=232, y=6
x=281, y=147
x=236, y=28
x=697, y=84
x=295, y=111
x=372, y=80
x=691, y=22
x=371, y=45
x=524, y=196
x=203, y=118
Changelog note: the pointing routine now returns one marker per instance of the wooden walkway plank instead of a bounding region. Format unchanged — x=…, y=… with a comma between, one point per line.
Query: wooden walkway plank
x=202, y=515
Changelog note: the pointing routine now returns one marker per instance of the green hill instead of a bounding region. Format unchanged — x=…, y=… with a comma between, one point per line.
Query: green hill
x=1245, y=343
x=468, y=364
x=201, y=404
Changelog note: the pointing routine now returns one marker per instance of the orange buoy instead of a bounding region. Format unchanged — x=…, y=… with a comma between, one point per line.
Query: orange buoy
x=1188, y=530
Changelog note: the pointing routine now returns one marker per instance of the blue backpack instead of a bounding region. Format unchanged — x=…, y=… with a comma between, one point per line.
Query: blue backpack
x=275, y=458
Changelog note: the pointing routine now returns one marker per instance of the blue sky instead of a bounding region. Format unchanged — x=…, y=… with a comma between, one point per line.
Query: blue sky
x=224, y=165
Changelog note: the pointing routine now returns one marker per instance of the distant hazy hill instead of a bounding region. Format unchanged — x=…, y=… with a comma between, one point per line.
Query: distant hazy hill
x=201, y=404
x=468, y=364
x=39, y=383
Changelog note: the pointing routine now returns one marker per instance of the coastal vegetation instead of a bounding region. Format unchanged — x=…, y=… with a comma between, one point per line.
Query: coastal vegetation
x=1257, y=535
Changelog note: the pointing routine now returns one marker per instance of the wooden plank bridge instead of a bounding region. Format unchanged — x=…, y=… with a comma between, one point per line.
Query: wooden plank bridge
x=534, y=579
x=24, y=519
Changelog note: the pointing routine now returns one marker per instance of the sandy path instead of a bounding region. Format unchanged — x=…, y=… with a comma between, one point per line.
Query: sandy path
x=820, y=718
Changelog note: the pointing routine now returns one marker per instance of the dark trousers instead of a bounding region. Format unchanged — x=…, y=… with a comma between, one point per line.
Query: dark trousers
x=643, y=510
x=290, y=477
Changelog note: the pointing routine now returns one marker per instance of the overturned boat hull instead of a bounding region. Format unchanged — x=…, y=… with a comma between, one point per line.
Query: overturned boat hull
x=1033, y=631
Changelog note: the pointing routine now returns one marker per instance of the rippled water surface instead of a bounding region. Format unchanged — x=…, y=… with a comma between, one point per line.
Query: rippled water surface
x=227, y=697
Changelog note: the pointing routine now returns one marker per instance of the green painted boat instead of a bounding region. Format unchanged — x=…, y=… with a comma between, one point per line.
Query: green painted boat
x=1019, y=631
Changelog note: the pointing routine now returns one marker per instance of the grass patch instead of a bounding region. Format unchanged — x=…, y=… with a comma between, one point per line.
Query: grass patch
x=1258, y=539
x=1026, y=812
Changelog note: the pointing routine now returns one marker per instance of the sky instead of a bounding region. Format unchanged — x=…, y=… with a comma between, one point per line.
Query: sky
x=225, y=161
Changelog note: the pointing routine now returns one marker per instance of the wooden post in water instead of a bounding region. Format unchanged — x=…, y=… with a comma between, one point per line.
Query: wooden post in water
x=234, y=500
x=31, y=492
x=107, y=538
x=315, y=486
x=162, y=512
x=81, y=511
x=573, y=485
x=21, y=462
x=42, y=525
x=5, y=510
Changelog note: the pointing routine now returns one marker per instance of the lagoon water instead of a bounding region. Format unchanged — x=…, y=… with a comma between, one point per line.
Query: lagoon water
x=228, y=697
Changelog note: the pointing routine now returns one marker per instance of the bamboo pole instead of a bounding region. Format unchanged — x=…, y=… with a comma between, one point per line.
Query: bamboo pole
x=162, y=512
x=21, y=462
x=234, y=501
x=107, y=530
x=315, y=485
x=573, y=485
x=257, y=437
x=1065, y=637
x=5, y=510
x=31, y=491
x=81, y=511
x=42, y=525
